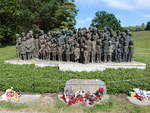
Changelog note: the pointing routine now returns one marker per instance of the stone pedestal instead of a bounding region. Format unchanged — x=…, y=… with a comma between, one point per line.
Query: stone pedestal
x=74, y=85
x=71, y=66
x=101, y=66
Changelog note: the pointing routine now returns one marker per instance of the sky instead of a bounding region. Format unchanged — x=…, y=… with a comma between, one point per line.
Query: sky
x=129, y=12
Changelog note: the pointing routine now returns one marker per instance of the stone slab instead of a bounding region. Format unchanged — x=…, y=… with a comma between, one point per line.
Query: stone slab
x=78, y=67
x=29, y=98
x=19, y=62
x=74, y=85
x=101, y=66
x=26, y=98
x=135, y=101
x=36, y=62
x=45, y=65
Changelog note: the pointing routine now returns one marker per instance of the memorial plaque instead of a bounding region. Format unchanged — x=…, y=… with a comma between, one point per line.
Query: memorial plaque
x=75, y=85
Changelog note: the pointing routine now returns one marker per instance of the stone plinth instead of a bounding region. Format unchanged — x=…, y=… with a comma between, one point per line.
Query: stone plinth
x=36, y=62
x=74, y=85
x=101, y=66
x=71, y=66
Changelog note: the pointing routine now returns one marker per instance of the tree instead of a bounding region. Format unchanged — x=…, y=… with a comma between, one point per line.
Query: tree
x=147, y=26
x=143, y=26
x=104, y=19
x=48, y=14
x=8, y=12
x=135, y=28
x=66, y=10
x=23, y=15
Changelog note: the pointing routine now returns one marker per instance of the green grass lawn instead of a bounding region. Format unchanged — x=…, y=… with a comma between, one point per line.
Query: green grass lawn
x=28, y=78
x=142, y=46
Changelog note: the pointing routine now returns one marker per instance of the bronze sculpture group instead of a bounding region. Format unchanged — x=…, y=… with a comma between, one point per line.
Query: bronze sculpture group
x=83, y=45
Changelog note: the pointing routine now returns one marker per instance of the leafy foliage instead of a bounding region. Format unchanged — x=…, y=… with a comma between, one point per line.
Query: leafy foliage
x=148, y=26
x=8, y=13
x=135, y=28
x=104, y=19
x=22, y=15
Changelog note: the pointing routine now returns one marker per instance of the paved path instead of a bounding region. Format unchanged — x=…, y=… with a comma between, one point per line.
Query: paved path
x=26, y=98
x=17, y=112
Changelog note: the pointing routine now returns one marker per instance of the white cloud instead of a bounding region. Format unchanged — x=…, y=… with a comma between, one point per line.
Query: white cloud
x=87, y=2
x=128, y=4
x=144, y=4
x=118, y=4
x=82, y=21
x=147, y=16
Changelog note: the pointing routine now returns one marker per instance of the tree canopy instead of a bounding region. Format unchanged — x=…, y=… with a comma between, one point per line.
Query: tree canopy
x=147, y=26
x=22, y=15
x=104, y=19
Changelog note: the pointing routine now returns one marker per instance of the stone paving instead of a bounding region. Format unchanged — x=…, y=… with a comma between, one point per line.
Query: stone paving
x=26, y=98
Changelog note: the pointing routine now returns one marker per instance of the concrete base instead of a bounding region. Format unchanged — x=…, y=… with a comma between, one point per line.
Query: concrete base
x=88, y=85
x=36, y=62
x=101, y=66
x=25, y=98
x=71, y=66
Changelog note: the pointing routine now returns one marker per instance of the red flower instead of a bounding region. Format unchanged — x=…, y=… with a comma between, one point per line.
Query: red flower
x=81, y=99
x=63, y=97
x=136, y=95
x=101, y=90
x=72, y=99
x=71, y=103
x=141, y=97
x=98, y=96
